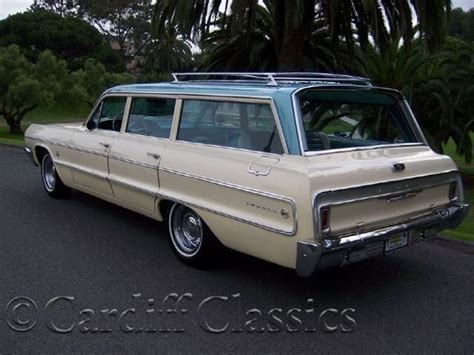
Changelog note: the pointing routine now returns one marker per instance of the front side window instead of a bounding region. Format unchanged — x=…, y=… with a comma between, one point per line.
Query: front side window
x=347, y=119
x=248, y=126
x=109, y=114
x=151, y=117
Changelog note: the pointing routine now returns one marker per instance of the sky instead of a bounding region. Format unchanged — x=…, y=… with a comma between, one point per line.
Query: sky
x=9, y=7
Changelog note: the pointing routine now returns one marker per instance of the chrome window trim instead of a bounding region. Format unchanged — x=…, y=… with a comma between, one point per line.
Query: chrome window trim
x=99, y=102
x=256, y=152
x=316, y=208
x=158, y=96
x=355, y=149
x=413, y=121
x=265, y=101
x=403, y=105
x=176, y=119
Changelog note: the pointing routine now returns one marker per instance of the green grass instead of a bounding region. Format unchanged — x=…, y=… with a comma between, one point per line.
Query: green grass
x=55, y=114
x=465, y=168
x=466, y=230
x=61, y=113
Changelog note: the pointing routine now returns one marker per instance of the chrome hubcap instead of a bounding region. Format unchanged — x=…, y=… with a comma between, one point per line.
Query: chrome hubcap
x=49, y=173
x=186, y=230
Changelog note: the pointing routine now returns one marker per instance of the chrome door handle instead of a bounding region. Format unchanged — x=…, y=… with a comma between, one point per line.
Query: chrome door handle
x=153, y=155
x=256, y=172
x=105, y=145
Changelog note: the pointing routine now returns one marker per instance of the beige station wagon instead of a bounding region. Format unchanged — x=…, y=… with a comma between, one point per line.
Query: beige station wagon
x=305, y=170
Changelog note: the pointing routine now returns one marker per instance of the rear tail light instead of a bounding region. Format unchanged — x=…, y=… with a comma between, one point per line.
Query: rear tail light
x=453, y=190
x=324, y=218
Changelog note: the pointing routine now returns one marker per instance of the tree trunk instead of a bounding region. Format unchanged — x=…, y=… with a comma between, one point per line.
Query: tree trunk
x=14, y=123
x=291, y=54
x=15, y=127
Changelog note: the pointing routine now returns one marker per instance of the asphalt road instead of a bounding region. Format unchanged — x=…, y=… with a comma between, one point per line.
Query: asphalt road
x=89, y=270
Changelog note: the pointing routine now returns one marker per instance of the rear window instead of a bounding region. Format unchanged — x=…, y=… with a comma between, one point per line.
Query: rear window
x=348, y=119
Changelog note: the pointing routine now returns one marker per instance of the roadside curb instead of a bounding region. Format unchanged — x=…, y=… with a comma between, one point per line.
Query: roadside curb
x=12, y=145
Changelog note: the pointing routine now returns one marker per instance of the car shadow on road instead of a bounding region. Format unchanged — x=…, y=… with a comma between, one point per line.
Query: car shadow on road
x=379, y=273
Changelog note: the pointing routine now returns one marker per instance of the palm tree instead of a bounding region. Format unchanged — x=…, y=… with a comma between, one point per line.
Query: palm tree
x=294, y=22
x=168, y=53
x=259, y=50
x=439, y=88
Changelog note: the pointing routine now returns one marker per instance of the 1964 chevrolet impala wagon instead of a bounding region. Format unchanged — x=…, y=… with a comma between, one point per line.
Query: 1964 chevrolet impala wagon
x=305, y=170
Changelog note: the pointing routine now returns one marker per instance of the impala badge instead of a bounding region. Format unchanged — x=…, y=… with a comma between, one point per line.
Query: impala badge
x=398, y=167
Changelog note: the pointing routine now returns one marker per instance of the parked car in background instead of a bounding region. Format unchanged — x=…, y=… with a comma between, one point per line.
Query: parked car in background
x=305, y=170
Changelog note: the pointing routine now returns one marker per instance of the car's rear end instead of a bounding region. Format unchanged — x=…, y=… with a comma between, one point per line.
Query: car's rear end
x=376, y=184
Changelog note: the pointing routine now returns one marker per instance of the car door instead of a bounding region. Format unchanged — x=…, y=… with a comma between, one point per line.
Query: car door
x=135, y=155
x=224, y=155
x=92, y=142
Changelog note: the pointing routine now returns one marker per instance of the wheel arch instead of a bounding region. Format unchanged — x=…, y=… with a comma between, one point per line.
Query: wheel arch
x=39, y=152
x=164, y=209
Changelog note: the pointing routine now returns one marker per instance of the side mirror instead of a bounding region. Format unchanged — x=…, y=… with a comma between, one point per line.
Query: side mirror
x=91, y=125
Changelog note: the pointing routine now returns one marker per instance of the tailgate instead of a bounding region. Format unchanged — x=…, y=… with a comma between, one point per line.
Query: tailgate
x=379, y=205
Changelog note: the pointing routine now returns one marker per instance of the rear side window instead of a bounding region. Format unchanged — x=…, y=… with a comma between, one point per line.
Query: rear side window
x=109, y=114
x=151, y=116
x=248, y=126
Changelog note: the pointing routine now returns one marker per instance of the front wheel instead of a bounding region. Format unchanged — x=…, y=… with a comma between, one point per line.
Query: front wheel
x=51, y=181
x=191, y=239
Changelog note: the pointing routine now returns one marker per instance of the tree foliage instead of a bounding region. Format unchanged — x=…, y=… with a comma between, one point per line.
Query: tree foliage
x=461, y=24
x=88, y=84
x=68, y=38
x=294, y=21
x=167, y=54
x=439, y=88
x=25, y=86
x=124, y=23
x=260, y=49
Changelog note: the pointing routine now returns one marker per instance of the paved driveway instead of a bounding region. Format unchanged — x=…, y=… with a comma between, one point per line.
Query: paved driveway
x=95, y=277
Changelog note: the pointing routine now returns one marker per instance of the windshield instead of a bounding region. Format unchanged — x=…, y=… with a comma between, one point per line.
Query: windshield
x=347, y=119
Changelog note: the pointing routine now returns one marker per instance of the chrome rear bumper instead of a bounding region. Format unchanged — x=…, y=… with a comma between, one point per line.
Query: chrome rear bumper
x=330, y=252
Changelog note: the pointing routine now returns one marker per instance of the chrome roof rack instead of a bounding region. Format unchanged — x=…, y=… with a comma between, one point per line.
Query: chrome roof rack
x=271, y=79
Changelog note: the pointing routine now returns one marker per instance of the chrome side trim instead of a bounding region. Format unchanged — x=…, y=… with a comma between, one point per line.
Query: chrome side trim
x=245, y=189
x=130, y=186
x=223, y=214
x=69, y=146
x=133, y=162
x=82, y=170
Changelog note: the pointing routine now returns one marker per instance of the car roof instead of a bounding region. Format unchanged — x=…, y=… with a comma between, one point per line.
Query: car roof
x=244, y=84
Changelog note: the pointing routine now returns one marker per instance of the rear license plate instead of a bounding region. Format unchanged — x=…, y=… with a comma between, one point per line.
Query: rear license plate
x=396, y=242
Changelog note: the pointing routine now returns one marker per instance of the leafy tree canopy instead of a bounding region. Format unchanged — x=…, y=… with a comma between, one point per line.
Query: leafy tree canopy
x=461, y=24
x=89, y=82
x=68, y=38
x=125, y=23
x=25, y=86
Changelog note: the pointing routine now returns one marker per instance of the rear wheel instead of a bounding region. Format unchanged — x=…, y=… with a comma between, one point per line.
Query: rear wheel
x=190, y=238
x=51, y=181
